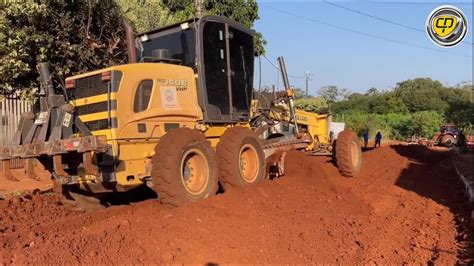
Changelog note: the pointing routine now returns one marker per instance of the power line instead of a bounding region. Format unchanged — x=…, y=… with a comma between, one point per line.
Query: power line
x=379, y=18
x=296, y=77
x=270, y=62
x=277, y=68
x=363, y=33
x=374, y=17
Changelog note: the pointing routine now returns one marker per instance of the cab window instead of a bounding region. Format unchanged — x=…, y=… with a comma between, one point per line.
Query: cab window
x=143, y=96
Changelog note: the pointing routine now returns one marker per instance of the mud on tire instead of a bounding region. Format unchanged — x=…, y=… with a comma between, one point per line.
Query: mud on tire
x=347, y=153
x=184, y=167
x=241, y=157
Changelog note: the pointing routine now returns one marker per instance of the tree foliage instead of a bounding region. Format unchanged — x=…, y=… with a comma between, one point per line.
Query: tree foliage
x=83, y=35
x=332, y=94
x=311, y=104
x=151, y=14
x=74, y=36
x=413, y=107
x=147, y=15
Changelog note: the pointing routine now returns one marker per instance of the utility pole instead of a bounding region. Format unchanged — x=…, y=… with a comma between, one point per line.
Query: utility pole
x=198, y=4
x=307, y=79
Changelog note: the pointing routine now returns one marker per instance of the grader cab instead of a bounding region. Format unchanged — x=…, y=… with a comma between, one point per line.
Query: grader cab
x=176, y=118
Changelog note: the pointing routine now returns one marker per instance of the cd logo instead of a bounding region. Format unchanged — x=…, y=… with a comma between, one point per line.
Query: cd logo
x=446, y=26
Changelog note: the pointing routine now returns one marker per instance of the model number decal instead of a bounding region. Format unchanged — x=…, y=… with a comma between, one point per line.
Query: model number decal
x=174, y=82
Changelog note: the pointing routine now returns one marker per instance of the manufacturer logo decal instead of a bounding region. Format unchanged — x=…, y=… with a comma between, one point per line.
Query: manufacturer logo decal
x=169, y=98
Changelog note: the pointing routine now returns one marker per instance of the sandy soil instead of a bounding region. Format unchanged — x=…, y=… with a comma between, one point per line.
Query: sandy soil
x=25, y=184
x=404, y=208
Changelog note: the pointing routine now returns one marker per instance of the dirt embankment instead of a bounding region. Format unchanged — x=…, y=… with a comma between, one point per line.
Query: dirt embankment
x=402, y=209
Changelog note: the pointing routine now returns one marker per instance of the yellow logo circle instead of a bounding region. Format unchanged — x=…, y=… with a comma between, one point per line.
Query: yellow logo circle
x=446, y=26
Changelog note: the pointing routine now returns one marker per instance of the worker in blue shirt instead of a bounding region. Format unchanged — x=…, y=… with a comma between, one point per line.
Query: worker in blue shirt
x=378, y=139
x=366, y=138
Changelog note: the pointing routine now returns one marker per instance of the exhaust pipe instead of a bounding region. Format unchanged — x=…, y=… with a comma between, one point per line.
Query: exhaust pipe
x=130, y=41
x=47, y=88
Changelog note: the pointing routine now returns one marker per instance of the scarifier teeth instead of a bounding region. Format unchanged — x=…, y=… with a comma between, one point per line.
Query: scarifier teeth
x=6, y=171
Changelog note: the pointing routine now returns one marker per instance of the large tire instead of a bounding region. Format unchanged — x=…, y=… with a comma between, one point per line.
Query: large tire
x=448, y=141
x=184, y=167
x=241, y=157
x=348, y=154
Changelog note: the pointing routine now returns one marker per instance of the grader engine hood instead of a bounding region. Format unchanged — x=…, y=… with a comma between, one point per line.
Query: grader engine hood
x=93, y=98
x=114, y=100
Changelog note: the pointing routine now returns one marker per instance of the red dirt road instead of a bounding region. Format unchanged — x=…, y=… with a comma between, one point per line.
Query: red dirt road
x=25, y=184
x=402, y=209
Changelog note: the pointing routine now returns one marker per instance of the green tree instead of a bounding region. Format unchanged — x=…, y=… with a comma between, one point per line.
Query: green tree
x=299, y=93
x=147, y=15
x=421, y=94
x=372, y=91
x=415, y=106
x=74, y=36
x=356, y=102
x=315, y=105
x=461, y=106
x=396, y=104
x=425, y=123
x=19, y=45
x=151, y=14
x=333, y=94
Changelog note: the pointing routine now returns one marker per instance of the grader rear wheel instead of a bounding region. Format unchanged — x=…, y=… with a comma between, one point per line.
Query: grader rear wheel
x=184, y=167
x=347, y=153
x=241, y=157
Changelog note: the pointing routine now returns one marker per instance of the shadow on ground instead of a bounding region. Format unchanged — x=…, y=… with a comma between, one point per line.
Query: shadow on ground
x=139, y=194
x=431, y=174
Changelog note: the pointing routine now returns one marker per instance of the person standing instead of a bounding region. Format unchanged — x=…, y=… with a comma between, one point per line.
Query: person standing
x=462, y=143
x=366, y=139
x=378, y=139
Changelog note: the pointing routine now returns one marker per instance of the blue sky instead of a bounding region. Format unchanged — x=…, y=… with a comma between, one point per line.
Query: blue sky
x=353, y=61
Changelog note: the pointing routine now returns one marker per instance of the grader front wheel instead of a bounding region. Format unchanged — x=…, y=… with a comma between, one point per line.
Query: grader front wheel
x=347, y=153
x=241, y=157
x=184, y=167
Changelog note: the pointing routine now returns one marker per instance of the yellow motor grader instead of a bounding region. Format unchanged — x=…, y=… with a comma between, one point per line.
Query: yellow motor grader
x=275, y=118
x=175, y=118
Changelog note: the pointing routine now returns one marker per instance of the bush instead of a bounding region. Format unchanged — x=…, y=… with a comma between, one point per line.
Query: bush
x=311, y=104
x=396, y=126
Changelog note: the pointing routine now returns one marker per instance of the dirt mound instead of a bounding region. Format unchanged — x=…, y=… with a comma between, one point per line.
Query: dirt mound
x=25, y=184
x=400, y=210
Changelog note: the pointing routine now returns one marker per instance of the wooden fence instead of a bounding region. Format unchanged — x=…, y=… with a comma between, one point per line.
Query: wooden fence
x=11, y=109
